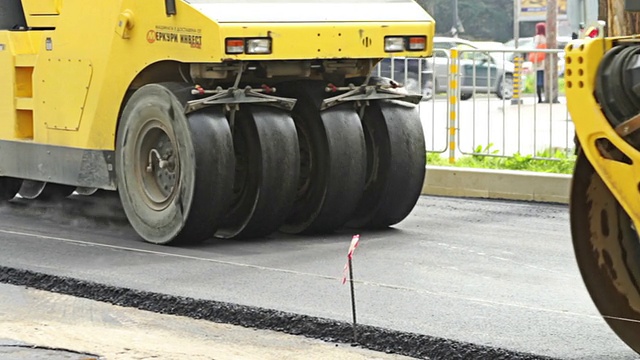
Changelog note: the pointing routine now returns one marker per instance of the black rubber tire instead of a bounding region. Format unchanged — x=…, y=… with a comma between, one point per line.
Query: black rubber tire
x=201, y=150
x=614, y=90
x=628, y=76
x=9, y=187
x=616, y=84
x=605, y=79
x=429, y=90
x=333, y=160
x=267, y=172
x=396, y=160
x=465, y=97
x=508, y=81
x=607, y=249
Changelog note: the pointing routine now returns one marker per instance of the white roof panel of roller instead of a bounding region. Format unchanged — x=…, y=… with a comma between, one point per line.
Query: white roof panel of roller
x=234, y=11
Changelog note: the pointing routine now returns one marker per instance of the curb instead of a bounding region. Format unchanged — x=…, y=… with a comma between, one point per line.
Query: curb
x=497, y=184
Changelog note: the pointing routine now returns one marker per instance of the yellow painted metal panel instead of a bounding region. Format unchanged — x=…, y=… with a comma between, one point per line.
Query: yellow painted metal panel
x=7, y=89
x=23, y=82
x=42, y=21
x=582, y=60
x=42, y=7
x=120, y=38
x=42, y=13
x=23, y=127
x=326, y=40
x=23, y=44
x=62, y=95
x=23, y=103
x=26, y=60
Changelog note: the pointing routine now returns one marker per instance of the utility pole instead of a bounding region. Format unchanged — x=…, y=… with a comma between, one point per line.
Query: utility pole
x=454, y=26
x=516, y=22
x=551, y=65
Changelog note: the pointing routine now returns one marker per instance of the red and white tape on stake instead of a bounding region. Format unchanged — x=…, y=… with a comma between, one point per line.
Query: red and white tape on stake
x=355, y=240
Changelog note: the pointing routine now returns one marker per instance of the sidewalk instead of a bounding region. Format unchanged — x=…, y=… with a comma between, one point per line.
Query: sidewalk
x=39, y=325
x=497, y=184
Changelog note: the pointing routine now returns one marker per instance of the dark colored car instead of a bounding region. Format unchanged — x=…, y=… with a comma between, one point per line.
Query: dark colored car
x=414, y=74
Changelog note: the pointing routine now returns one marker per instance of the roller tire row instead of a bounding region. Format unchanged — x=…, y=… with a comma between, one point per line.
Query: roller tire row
x=184, y=178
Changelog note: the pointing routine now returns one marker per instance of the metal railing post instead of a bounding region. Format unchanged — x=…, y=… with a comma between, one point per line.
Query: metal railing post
x=517, y=77
x=454, y=95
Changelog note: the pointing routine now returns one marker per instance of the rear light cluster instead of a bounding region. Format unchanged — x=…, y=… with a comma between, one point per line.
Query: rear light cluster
x=405, y=43
x=248, y=46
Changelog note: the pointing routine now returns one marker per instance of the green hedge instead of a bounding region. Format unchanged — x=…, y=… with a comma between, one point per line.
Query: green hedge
x=549, y=161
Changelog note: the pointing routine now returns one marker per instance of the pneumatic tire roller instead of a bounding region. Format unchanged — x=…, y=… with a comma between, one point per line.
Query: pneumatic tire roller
x=214, y=119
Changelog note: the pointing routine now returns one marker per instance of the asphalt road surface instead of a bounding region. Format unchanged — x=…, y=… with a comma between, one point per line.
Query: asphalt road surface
x=459, y=278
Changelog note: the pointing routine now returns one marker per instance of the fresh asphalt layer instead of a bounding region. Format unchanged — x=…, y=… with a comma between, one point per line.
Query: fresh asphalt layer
x=459, y=278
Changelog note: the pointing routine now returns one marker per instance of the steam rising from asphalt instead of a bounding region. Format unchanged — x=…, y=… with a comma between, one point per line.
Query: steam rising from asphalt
x=100, y=211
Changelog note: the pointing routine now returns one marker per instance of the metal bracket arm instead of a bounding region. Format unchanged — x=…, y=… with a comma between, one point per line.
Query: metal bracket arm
x=230, y=96
x=366, y=93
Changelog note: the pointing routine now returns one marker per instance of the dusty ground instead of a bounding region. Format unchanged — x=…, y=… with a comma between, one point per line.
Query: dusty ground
x=63, y=322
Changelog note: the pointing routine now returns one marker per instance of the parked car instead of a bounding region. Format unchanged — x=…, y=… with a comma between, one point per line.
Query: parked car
x=480, y=71
x=415, y=74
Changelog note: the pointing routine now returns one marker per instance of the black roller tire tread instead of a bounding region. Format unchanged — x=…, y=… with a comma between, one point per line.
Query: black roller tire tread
x=337, y=178
x=627, y=78
x=396, y=159
x=205, y=151
x=273, y=167
x=605, y=79
x=623, y=101
x=607, y=250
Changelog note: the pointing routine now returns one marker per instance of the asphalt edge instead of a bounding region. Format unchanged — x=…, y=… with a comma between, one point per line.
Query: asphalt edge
x=497, y=184
x=369, y=337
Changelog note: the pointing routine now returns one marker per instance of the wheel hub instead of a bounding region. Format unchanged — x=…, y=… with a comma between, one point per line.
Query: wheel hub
x=158, y=166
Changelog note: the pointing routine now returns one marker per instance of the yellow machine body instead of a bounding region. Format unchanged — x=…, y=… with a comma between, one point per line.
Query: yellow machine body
x=65, y=84
x=601, y=88
x=582, y=61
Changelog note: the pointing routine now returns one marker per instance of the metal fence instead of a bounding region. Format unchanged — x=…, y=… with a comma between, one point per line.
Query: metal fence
x=483, y=102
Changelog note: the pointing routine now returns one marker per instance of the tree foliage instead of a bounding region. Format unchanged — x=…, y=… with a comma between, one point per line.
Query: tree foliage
x=493, y=19
x=481, y=19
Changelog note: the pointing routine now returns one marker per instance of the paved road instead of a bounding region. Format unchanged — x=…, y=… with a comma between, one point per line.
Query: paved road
x=492, y=273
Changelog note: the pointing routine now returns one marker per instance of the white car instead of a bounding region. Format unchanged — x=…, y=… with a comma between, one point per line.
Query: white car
x=480, y=71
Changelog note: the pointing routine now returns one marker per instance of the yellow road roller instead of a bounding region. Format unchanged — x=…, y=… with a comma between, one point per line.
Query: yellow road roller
x=603, y=95
x=214, y=118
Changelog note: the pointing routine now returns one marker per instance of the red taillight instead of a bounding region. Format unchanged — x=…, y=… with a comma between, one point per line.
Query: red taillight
x=235, y=46
x=417, y=43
